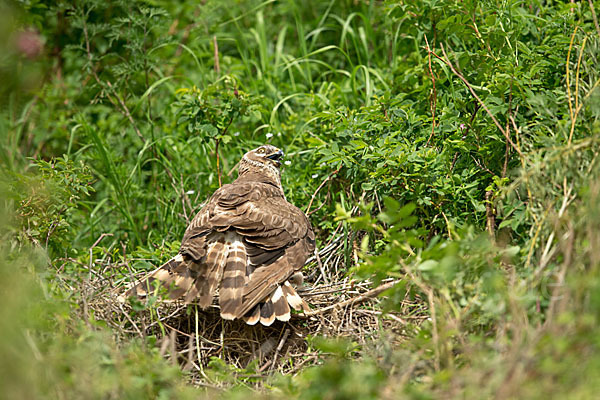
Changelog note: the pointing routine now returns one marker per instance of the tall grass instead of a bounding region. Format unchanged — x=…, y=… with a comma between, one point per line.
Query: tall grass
x=452, y=145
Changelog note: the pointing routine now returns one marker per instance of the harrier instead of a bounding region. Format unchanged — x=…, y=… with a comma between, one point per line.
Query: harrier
x=245, y=246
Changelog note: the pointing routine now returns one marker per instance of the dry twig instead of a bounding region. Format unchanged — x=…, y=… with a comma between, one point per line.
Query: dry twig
x=307, y=212
x=355, y=300
x=447, y=61
x=433, y=94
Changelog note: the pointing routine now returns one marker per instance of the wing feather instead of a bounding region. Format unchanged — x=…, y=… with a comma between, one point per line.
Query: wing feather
x=247, y=240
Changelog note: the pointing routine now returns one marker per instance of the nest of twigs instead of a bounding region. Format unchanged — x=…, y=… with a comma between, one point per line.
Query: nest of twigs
x=190, y=337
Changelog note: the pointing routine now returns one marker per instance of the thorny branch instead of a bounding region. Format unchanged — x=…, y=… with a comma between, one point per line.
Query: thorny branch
x=121, y=106
x=331, y=175
x=447, y=61
x=433, y=94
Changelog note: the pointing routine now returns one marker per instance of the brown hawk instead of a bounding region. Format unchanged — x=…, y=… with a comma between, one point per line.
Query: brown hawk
x=245, y=245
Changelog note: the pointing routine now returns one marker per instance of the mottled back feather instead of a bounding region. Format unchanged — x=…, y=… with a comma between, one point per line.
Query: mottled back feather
x=246, y=241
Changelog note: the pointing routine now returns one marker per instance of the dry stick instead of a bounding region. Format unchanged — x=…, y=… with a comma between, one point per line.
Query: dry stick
x=216, y=46
x=577, y=72
x=446, y=60
x=190, y=353
x=506, y=153
x=478, y=34
x=218, y=166
x=299, y=366
x=436, y=337
x=327, y=197
x=53, y=226
x=125, y=110
x=185, y=36
x=391, y=316
x=434, y=94
x=161, y=320
x=359, y=299
x=489, y=213
x=196, y=337
x=522, y=160
x=569, y=73
x=325, y=250
x=594, y=17
x=126, y=263
x=279, y=347
x=309, y=294
x=535, y=236
x=137, y=329
x=172, y=347
x=92, y=248
x=320, y=187
x=325, y=279
x=577, y=107
x=334, y=237
x=482, y=166
x=331, y=255
x=507, y=147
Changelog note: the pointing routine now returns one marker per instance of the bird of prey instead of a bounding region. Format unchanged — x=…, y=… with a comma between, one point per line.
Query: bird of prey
x=246, y=246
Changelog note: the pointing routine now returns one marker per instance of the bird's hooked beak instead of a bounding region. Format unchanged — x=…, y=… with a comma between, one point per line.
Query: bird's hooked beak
x=276, y=156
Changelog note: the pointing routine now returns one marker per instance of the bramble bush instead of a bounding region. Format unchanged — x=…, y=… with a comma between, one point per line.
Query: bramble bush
x=452, y=145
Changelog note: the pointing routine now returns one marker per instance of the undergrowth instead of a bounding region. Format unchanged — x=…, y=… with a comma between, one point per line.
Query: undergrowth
x=445, y=151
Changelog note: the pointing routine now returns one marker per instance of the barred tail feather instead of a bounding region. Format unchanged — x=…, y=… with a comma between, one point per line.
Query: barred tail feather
x=207, y=283
x=267, y=313
x=167, y=274
x=253, y=316
x=276, y=307
x=280, y=305
x=224, y=265
x=293, y=298
x=178, y=275
x=234, y=278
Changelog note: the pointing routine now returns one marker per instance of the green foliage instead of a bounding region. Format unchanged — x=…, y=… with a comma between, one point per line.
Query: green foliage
x=210, y=112
x=339, y=379
x=45, y=203
x=48, y=351
x=452, y=145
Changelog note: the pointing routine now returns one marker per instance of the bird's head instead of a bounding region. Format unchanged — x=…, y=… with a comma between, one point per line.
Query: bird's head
x=265, y=159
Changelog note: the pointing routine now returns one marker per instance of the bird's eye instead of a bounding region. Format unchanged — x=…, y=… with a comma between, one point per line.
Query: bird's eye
x=261, y=150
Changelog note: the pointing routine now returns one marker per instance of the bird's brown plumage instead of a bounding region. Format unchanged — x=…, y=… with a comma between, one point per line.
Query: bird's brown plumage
x=247, y=241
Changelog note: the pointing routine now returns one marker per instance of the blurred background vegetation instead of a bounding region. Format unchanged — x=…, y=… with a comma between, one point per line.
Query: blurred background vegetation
x=452, y=145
